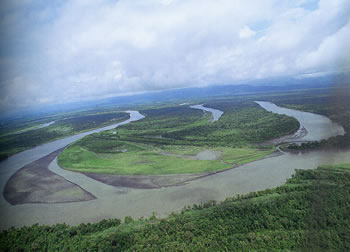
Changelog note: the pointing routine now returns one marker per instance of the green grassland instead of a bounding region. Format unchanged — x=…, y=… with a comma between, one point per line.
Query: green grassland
x=30, y=135
x=168, y=138
x=149, y=160
x=309, y=213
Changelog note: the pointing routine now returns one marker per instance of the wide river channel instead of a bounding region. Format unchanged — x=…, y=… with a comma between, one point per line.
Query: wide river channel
x=119, y=202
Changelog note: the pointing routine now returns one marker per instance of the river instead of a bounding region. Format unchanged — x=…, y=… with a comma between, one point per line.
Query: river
x=216, y=114
x=317, y=126
x=115, y=202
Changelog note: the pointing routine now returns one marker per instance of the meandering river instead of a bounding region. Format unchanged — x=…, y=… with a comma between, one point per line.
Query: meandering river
x=318, y=127
x=215, y=112
x=115, y=202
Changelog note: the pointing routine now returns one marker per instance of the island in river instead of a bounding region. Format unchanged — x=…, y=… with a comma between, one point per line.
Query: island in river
x=273, y=219
x=118, y=202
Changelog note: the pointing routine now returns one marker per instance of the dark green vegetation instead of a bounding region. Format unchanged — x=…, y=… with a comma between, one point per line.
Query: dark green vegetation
x=29, y=135
x=335, y=104
x=180, y=140
x=310, y=212
x=243, y=123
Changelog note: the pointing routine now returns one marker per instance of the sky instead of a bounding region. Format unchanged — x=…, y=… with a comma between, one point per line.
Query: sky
x=65, y=51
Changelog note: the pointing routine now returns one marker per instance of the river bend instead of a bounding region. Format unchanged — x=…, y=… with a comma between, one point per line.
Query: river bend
x=216, y=114
x=115, y=202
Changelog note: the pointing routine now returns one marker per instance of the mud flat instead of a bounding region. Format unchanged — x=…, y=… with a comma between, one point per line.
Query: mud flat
x=157, y=181
x=118, y=202
x=34, y=183
x=162, y=181
x=202, y=155
x=292, y=138
x=144, y=182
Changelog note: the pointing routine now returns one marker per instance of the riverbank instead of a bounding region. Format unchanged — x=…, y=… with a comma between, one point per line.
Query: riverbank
x=11, y=144
x=34, y=183
x=216, y=114
x=312, y=205
x=186, y=143
x=113, y=202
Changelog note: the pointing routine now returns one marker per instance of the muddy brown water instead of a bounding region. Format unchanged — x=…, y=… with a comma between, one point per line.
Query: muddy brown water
x=118, y=202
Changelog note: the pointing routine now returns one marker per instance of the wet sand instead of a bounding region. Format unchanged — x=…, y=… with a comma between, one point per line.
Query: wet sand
x=159, y=181
x=118, y=202
x=34, y=183
x=145, y=182
x=202, y=155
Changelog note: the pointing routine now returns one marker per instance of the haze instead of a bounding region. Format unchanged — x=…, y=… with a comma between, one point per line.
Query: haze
x=66, y=51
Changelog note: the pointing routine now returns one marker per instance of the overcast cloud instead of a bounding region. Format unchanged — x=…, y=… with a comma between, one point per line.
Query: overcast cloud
x=61, y=51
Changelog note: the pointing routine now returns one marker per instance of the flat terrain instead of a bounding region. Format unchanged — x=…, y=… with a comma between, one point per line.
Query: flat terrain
x=34, y=183
x=148, y=160
x=179, y=140
x=21, y=136
x=309, y=213
x=243, y=123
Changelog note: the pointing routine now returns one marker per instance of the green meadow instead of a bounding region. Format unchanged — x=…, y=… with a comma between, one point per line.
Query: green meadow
x=180, y=140
x=152, y=161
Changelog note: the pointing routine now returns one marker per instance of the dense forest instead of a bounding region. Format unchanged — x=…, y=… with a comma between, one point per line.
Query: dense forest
x=242, y=123
x=310, y=212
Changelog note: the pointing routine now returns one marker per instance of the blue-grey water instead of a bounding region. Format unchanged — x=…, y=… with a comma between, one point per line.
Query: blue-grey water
x=216, y=114
x=119, y=202
x=317, y=126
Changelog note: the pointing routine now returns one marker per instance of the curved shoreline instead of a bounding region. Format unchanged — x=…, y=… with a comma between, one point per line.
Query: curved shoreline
x=13, y=164
x=319, y=128
x=118, y=202
x=160, y=181
x=61, y=178
x=35, y=183
x=215, y=113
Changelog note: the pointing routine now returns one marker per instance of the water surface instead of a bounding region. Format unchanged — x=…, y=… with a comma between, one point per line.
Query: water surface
x=119, y=202
x=318, y=127
x=215, y=112
x=9, y=166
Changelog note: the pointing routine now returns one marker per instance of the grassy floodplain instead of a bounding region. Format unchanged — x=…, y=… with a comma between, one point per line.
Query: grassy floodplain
x=180, y=140
x=309, y=213
x=149, y=160
x=29, y=134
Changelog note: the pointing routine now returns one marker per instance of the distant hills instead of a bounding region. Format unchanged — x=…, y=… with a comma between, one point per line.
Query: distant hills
x=171, y=95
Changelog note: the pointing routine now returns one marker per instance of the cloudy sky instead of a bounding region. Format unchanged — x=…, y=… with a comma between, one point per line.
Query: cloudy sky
x=60, y=51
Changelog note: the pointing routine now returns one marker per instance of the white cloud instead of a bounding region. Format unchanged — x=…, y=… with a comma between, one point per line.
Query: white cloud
x=246, y=32
x=332, y=52
x=75, y=50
